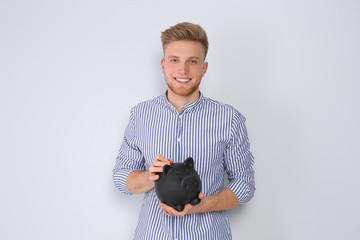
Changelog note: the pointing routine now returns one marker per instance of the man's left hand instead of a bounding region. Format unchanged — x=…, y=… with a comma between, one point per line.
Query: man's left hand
x=170, y=211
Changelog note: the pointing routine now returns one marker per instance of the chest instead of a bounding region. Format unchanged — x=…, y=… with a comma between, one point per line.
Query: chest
x=200, y=135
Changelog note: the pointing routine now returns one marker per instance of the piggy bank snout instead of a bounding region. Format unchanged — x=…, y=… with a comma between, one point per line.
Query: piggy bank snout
x=190, y=184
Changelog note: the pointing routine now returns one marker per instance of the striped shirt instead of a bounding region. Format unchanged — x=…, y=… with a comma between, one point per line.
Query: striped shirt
x=214, y=135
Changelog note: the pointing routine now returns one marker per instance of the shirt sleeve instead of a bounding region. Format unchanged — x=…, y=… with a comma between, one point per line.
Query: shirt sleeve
x=129, y=159
x=239, y=161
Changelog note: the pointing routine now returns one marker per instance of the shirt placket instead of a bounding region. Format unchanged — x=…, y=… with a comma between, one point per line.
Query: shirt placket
x=179, y=136
x=179, y=143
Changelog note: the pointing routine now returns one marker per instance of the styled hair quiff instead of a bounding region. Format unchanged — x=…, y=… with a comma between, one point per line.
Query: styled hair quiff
x=185, y=31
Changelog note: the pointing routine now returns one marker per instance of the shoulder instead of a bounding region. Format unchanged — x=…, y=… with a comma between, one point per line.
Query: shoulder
x=227, y=109
x=147, y=105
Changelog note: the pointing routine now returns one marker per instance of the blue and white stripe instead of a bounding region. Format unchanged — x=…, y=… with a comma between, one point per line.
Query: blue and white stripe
x=214, y=135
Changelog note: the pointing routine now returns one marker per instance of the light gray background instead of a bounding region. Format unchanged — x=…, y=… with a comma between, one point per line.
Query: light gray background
x=71, y=70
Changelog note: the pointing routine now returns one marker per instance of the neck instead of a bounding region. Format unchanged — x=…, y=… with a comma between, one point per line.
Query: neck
x=179, y=101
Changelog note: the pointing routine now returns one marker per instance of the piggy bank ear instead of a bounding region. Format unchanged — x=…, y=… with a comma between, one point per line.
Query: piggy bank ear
x=166, y=169
x=189, y=162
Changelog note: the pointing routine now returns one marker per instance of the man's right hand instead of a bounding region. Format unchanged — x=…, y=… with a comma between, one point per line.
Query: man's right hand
x=157, y=166
x=143, y=181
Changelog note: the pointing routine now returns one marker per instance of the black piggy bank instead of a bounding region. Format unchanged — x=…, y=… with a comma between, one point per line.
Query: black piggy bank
x=179, y=184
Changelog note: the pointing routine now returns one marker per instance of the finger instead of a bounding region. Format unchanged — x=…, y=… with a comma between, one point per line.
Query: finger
x=168, y=213
x=154, y=170
x=163, y=160
x=161, y=163
x=160, y=158
x=157, y=163
x=201, y=195
x=168, y=209
x=173, y=212
x=154, y=176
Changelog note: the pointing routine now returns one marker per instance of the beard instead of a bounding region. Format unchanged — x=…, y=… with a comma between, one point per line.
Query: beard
x=184, y=91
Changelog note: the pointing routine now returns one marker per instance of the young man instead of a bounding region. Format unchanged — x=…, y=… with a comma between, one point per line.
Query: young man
x=179, y=124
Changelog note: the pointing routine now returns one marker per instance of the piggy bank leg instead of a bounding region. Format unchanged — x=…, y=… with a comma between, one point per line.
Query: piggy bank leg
x=179, y=207
x=195, y=201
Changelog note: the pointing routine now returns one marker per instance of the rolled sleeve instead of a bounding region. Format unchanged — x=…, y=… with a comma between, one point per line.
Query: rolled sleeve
x=129, y=159
x=119, y=178
x=239, y=161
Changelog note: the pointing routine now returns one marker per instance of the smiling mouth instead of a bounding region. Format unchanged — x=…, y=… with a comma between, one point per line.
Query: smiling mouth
x=182, y=80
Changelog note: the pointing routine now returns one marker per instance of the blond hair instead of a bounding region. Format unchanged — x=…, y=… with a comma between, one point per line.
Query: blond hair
x=185, y=31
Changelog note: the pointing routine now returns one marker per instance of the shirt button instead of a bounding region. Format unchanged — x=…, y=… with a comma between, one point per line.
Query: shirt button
x=180, y=116
x=178, y=139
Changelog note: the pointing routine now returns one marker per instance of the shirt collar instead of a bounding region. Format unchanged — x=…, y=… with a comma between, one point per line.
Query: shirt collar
x=187, y=107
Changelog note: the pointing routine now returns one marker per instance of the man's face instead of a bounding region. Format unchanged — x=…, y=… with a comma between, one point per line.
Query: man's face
x=183, y=67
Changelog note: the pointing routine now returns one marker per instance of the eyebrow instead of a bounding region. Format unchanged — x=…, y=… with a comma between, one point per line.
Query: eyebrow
x=173, y=56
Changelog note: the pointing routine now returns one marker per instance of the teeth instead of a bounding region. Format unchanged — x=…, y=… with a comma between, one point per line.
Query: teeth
x=182, y=79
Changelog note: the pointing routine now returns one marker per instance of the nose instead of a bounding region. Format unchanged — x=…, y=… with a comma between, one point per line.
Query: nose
x=190, y=184
x=183, y=68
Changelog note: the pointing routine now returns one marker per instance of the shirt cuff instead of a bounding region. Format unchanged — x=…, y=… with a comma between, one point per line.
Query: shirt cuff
x=243, y=191
x=119, y=178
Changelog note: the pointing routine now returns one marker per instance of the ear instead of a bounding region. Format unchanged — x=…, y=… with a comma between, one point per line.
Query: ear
x=166, y=169
x=189, y=162
x=205, y=67
x=163, y=65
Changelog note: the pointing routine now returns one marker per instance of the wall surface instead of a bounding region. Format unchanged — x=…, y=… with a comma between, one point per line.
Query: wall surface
x=71, y=70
